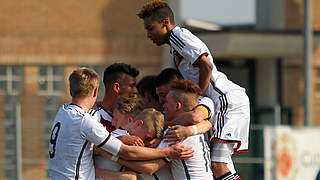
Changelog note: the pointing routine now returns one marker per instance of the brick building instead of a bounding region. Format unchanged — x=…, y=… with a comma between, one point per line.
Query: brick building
x=41, y=42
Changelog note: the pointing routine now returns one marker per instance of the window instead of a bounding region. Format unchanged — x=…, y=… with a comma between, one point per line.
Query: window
x=11, y=79
x=318, y=80
x=51, y=80
x=10, y=118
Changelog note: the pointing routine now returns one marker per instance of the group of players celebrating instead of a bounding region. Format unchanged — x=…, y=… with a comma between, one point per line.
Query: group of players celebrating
x=183, y=123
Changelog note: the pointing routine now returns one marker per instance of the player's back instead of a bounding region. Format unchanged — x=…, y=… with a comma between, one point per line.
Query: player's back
x=70, y=156
x=198, y=167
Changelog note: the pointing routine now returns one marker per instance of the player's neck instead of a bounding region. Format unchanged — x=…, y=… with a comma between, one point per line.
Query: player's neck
x=169, y=29
x=108, y=102
x=84, y=103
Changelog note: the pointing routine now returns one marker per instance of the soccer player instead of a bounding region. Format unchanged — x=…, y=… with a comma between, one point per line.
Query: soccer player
x=119, y=79
x=194, y=61
x=182, y=97
x=126, y=109
x=74, y=132
x=195, y=120
x=147, y=90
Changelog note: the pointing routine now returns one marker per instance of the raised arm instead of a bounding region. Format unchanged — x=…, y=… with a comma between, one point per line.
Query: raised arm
x=205, y=71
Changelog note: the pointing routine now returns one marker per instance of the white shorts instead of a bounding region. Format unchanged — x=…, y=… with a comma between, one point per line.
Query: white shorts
x=232, y=120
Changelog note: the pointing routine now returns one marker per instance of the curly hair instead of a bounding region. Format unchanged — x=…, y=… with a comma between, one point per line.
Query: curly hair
x=157, y=10
x=129, y=106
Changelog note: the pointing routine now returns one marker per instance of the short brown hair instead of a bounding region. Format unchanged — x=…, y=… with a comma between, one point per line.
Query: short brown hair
x=83, y=82
x=152, y=119
x=186, y=92
x=129, y=106
x=157, y=10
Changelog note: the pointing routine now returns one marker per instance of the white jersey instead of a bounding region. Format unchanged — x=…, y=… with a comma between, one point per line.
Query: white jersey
x=105, y=118
x=186, y=48
x=71, y=144
x=198, y=167
x=163, y=173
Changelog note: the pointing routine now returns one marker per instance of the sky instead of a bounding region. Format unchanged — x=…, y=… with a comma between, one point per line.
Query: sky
x=221, y=12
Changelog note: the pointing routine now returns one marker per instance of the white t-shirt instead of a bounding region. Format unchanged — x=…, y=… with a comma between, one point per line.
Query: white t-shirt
x=198, y=167
x=71, y=144
x=186, y=48
x=105, y=118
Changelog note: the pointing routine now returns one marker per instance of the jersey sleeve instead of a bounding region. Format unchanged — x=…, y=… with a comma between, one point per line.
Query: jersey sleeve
x=208, y=103
x=94, y=132
x=189, y=46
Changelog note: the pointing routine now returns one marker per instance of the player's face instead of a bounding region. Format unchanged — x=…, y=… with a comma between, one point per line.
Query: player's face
x=170, y=107
x=128, y=86
x=119, y=120
x=162, y=92
x=156, y=31
x=144, y=133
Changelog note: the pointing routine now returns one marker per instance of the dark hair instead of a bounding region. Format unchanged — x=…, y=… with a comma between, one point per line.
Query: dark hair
x=166, y=76
x=114, y=73
x=157, y=10
x=147, y=85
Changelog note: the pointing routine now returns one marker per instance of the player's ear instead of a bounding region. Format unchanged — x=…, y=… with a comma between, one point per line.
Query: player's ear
x=137, y=123
x=95, y=92
x=166, y=21
x=130, y=119
x=116, y=87
x=178, y=106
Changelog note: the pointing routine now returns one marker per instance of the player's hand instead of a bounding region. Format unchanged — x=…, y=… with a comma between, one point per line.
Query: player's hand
x=131, y=140
x=179, y=151
x=153, y=143
x=177, y=134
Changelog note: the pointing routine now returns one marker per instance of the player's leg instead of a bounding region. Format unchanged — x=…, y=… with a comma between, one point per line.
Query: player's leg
x=222, y=165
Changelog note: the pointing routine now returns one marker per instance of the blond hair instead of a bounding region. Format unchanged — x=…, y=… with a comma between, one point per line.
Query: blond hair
x=152, y=119
x=83, y=82
x=186, y=92
x=129, y=106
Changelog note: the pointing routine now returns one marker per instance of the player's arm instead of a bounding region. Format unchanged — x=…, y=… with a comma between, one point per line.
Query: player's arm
x=94, y=132
x=131, y=140
x=195, y=116
x=145, y=167
x=180, y=133
x=205, y=71
x=114, y=175
x=143, y=153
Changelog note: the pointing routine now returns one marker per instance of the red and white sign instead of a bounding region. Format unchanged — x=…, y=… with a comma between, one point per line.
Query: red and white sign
x=291, y=153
